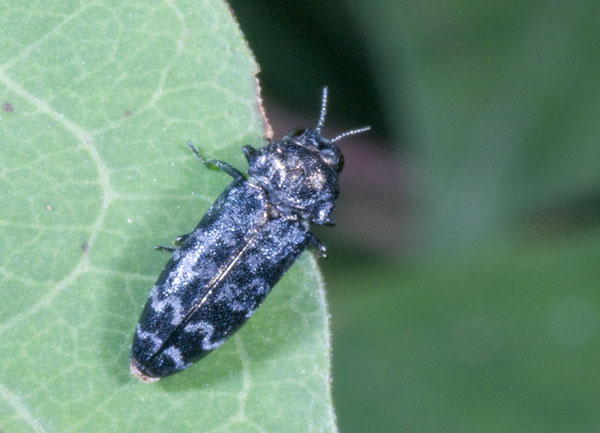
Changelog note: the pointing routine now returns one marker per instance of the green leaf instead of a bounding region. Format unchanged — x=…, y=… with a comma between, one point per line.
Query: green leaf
x=502, y=101
x=502, y=340
x=97, y=103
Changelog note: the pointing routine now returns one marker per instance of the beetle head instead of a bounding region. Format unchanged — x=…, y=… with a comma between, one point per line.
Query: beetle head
x=300, y=172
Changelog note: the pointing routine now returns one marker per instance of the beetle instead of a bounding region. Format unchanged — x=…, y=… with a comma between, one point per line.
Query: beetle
x=220, y=273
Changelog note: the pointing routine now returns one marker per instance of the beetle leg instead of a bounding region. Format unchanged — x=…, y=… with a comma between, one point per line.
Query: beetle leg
x=250, y=153
x=177, y=242
x=316, y=245
x=218, y=165
x=165, y=249
x=180, y=239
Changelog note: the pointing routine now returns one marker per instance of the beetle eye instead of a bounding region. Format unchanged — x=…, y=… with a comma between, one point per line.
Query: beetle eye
x=332, y=159
x=295, y=133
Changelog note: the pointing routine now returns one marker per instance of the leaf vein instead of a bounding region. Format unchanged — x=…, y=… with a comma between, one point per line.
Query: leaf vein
x=25, y=52
x=86, y=141
x=21, y=409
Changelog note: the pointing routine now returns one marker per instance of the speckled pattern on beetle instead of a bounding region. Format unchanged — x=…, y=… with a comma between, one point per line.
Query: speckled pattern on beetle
x=221, y=272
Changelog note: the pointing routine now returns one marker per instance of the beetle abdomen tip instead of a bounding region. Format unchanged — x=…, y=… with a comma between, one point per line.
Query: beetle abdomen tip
x=136, y=371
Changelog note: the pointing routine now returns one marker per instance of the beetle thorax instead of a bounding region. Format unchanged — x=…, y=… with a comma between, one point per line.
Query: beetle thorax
x=298, y=179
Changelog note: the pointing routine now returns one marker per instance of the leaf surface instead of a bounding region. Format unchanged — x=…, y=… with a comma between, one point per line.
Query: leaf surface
x=98, y=101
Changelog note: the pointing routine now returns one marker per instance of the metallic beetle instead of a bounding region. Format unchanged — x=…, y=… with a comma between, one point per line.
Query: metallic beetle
x=221, y=272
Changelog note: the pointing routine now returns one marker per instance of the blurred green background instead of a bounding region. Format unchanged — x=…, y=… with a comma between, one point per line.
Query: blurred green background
x=464, y=268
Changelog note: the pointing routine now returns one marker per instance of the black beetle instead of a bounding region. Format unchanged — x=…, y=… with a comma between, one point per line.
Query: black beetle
x=221, y=272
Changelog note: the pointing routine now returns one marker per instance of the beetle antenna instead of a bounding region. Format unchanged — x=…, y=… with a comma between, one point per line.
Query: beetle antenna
x=323, y=111
x=351, y=132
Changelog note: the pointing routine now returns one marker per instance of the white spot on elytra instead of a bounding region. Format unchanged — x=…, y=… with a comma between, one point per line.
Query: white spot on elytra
x=145, y=335
x=207, y=330
x=159, y=306
x=175, y=354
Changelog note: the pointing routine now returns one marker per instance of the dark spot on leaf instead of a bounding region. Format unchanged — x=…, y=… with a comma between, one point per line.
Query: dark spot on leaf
x=8, y=107
x=85, y=248
x=127, y=113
